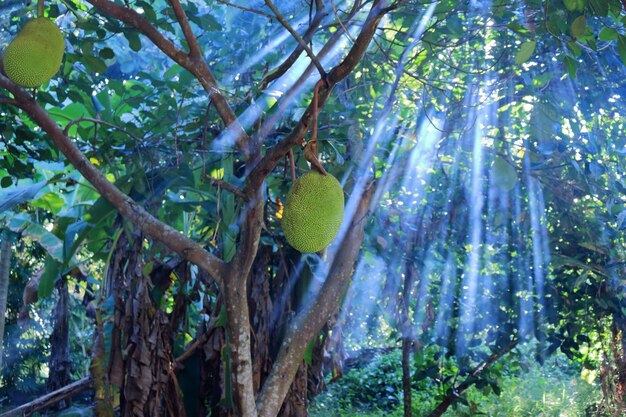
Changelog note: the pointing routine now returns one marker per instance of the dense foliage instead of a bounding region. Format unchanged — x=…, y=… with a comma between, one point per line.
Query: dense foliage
x=479, y=145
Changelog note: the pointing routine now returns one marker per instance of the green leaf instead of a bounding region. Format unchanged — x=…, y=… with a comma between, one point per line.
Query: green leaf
x=570, y=66
x=132, y=36
x=95, y=64
x=48, y=278
x=525, y=52
x=50, y=201
x=18, y=195
x=578, y=26
x=608, y=34
x=22, y=223
x=575, y=5
x=601, y=7
x=6, y=182
x=106, y=53
x=574, y=48
x=308, y=353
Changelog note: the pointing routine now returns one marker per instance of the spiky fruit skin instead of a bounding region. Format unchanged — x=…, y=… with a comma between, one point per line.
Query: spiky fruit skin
x=313, y=212
x=35, y=55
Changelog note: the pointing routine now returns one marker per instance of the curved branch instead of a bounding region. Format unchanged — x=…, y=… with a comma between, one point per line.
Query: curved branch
x=98, y=122
x=297, y=37
x=293, y=57
x=137, y=215
x=195, y=64
x=276, y=153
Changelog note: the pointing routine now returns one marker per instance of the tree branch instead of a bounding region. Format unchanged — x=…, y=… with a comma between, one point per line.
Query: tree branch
x=295, y=34
x=137, y=215
x=247, y=9
x=51, y=398
x=276, y=153
x=292, y=58
x=97, y=122
x=456, y=392
x=7, y=100
x=310, y=321
x=195, y=64
x=192, y=41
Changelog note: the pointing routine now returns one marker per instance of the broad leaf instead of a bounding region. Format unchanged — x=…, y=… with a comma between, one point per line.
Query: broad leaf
x=19, y=195
x=525, y=52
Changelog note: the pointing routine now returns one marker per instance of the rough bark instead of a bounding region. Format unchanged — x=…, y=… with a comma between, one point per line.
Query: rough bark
x=406, y=377
x=5, y=268
x=261, y=305
x=232, y=277
x=312, y=318
x=141, y=360
x=60, y=362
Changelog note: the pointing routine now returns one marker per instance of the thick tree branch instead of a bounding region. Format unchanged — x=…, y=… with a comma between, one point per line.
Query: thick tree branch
x=297, y=37
x=170, y=237
x=287, y=99
x=275, y=154
x=239, y=268
x=192, y=41
x=310, y=321
x=195, y=64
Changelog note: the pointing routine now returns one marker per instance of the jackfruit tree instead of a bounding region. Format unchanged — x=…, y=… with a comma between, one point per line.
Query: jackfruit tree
x=203, y=180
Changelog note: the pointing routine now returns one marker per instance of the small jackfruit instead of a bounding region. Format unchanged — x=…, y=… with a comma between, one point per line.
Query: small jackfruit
x=504, y=175
x=313, y=211
x=35, y=54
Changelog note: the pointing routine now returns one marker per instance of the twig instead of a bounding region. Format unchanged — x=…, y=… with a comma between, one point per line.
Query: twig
x=292, y=58
x=98, y=122
x=7, y=100
x=226, y=186
x=247, y=9
x=345, y=30
x=292, y=165
x=356, y=52
x=311, y=148
x=301, y=41
x=192, y=41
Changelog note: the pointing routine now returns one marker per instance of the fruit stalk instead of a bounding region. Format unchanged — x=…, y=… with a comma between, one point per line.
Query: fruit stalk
x=310, y=150
x=40, y=7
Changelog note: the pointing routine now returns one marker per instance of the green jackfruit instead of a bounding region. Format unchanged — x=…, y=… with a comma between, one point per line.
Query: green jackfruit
x=504, y=175
x=35, y=55
x=313, y=212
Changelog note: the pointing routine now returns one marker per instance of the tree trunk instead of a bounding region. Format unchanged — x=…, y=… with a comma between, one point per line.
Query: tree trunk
x=60, y=363
x=5, y=268
x=406, y=377
x=141, y=359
